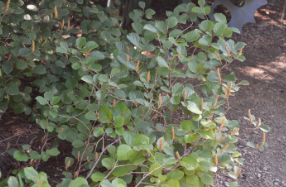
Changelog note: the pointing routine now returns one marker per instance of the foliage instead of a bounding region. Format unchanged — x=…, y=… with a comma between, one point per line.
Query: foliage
x=97, y=89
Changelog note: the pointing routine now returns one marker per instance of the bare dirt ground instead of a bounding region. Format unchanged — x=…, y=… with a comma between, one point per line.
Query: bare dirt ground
x=265, y=69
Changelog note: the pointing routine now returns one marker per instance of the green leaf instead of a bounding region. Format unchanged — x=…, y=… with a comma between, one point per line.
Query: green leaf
x=193, y=107
x=244, y=82
x=140, y=139
x=77, y=144
x=205, y=166
x=229, y=78
x=219, y=17
x=119, y=182
x=134, y=38
x=12, y=89
x=104, y=114
x=177, y=88
x=251, y=144
x=13, y=182
x=41, y=100
x=138, y=27
x=174, y=33
x=191, y=36
x=265, y=128
x=90, y=115
x=142, y=125
x=162, y=62
x=30, y=173
x=98, y=131
x=40, y=69
x=219, y=28
x=233, y=184
x=119, y=121
x=53, y=152
x=79, y=182
x=24, y=52
x=187, y=125
x=189, y=162
x=161, y=25
x=205, y=40
x=171, y=22
x=175, y=174
x=125, y=152
x=149, y=13
x=96, y=177
x=80, y=42
x=106, y=183
x=20, y=156
x=190, y=138
x=149, y=27
x=61, y=50
x=207, y=179
x=141, y=4
x=21, y=64
x=156, y=169
x=202, y=3
x=206, y=25
x=108, y=163
x=91, y=45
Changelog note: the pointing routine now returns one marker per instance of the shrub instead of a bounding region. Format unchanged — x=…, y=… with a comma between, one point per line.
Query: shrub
x=99, y=91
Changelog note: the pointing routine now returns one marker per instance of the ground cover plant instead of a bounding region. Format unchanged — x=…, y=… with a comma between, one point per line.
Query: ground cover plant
x=86, y=80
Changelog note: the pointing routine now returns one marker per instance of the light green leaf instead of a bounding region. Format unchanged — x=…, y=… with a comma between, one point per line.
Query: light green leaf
x=80, y=42
x=61, y=50
x=193, y=107
x=13, y=182
x=175, y=174
x=119, y=182
x=156, y=169
x=108, y=163
x=149, y=27
x=30, y=173
x=206, y=25
x=219, y=17
x=98, y=131
x=207, y=179
x=20, y=156
x=91, y=45
x=265, y=128
x=125, y=152
x=106, y=183
x=171, y=22
x=140, y=139
x=161, y=25
x=134, y=38
x=104, y=114
x=162, y=62
x=187, y=125
x=189, y=162
x=79, y=182
x=41, y=100
x=191, y=36
x=96, y=177
x=90, y=115
x=141, y=4
x=219, y=28
x=119, y=121
x=53, y=152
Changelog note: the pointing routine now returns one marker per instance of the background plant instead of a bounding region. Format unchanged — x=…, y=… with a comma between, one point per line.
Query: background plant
x=95, y=88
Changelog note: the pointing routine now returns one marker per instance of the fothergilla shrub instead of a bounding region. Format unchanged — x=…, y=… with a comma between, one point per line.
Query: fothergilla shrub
x=83, y=78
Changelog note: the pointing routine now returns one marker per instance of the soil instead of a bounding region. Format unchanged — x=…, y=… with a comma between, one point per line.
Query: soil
x=265, y=69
